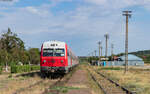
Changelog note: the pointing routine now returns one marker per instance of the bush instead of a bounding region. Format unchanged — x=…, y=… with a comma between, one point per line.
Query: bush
x=1, y=68
x=12, y=63
x=25, y=68
x=35, y=67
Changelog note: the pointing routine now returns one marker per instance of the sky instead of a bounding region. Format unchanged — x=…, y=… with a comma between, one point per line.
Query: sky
x=79, y=23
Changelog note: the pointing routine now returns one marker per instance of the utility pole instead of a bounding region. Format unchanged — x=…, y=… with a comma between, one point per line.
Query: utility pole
x=128, y=15
x=112, y=48
x=99, y=43
x=92, y=54
x=95, y=53
x=101, y=50
x=106, y=49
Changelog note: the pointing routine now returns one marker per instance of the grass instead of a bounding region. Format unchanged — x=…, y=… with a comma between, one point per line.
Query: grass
x=92, y=84
x=135, y=79
x=11, y=84
x=133, y=87
x=63, y=89
x=110, y=68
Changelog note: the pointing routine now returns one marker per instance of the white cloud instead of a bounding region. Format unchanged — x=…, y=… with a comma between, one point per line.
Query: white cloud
x=117, y=4
x=32, y=9
x=99, y=2
x=87, y=22
x=8, y=2
x=41, y=10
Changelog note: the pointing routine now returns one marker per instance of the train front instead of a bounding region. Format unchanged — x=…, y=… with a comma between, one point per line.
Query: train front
x=53, y=57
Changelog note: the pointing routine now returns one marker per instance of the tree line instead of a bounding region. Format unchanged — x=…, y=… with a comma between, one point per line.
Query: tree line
x=144, y=54
x=13, y=52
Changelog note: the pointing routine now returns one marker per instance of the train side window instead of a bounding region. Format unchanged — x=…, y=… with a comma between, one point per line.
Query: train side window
x=68, y=52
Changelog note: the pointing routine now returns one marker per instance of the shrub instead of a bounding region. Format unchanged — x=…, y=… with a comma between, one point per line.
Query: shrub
x=20, y=69
x=24, y=68
x=12, y=63
x=1, y=68
x=35, y=67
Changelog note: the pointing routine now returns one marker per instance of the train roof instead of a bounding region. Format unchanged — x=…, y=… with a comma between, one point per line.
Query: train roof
x=54, y=44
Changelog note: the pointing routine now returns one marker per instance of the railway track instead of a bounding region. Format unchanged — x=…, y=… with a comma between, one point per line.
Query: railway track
x=61, y=82
x=51, y=81
x=107, y=85
x=57, y=81
x=28, y=87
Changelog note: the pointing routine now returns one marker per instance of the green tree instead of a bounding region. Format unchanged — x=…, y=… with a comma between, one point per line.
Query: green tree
x=11, y=48
x=34, y=55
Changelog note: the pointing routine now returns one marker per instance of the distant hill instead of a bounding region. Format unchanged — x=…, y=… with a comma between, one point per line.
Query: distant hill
x=145, y=55
x=144, y=52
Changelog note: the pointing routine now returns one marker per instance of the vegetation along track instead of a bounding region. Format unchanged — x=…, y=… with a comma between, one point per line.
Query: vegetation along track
x=38, y=82
x=23, y=89
x=107, y=85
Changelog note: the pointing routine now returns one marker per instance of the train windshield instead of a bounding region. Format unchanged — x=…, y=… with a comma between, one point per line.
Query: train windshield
x=53, y=52
x=59, y=52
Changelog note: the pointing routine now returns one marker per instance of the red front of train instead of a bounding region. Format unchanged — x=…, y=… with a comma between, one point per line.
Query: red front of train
x=56, y=56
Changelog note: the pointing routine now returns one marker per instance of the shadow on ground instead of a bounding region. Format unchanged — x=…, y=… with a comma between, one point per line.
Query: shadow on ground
x=43, y=76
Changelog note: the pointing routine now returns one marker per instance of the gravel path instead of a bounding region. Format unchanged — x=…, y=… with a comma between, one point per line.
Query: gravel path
x=78, y=83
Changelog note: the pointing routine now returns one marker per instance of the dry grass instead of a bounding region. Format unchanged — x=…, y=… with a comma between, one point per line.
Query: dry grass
x=135, y=80
x=13, y=84
x=92, y=84
x=39, y=89
x=10, y=85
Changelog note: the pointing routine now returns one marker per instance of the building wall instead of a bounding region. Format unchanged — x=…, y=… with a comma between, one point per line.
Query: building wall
x=122, y=63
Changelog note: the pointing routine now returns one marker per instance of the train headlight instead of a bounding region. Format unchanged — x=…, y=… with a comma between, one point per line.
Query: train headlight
x=44, y=61
x=62, y=61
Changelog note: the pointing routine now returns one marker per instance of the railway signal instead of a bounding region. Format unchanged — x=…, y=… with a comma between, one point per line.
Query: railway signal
x=128, y=15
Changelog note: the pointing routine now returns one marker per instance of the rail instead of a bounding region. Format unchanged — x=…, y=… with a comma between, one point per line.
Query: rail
x=104, y=90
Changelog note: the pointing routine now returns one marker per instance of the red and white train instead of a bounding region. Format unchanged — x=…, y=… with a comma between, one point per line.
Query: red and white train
x=57, y=57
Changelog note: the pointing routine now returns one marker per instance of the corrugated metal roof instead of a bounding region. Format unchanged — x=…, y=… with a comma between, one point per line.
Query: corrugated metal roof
x=131, y=57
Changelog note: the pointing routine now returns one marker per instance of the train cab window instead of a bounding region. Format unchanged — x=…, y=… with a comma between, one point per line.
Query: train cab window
x=48, y=52
x=53, y=52
x=59, y=52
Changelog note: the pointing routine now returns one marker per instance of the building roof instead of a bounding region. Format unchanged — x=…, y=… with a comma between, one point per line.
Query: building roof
x=131, y=57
